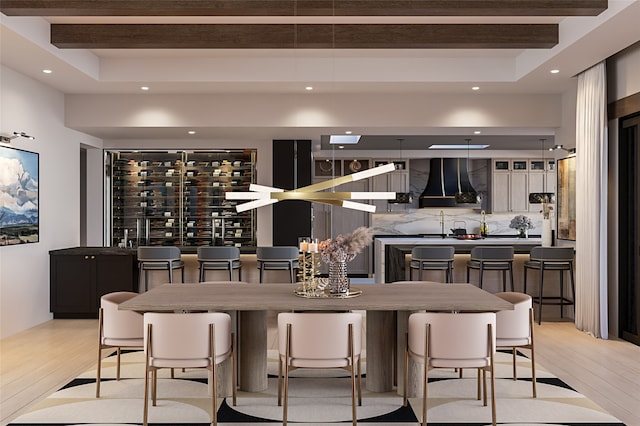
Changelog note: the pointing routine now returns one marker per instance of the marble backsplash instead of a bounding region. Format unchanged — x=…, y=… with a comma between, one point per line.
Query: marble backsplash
x=428, y=221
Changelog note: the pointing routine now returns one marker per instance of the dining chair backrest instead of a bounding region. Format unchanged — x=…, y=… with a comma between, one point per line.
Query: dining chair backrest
x=456, y=339
x=496, y=253
x=120, y=325
x=179, y=339
x=320, y=339
x=513, y=326
x=158, y=253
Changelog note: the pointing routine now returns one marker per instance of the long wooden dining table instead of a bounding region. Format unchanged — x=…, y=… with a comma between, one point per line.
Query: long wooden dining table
x=386, y=306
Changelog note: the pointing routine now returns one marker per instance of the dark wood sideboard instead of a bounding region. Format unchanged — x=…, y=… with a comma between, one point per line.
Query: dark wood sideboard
x=79, y=276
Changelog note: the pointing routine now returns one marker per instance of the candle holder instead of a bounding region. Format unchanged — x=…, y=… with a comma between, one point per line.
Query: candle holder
x=309, y=269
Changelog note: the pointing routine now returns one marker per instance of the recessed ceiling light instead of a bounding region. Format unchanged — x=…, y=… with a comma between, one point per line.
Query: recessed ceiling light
x=341, y=147
x=458, y=146
x=47, y=71
x=192, y=132
x=555, y=71
x=348, y=132
x=308, y=88
x=477, y=132
x=144, y=88
x=475, y=88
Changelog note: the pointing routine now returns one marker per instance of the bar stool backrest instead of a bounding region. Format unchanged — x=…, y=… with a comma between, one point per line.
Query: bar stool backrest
x=276, y=253
x=498, y=253
x=218, y=253
x=553, y=254
x=432, y=253
x=152, y=253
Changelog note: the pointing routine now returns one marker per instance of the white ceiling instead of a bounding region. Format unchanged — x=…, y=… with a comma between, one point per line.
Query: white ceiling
x=584, y=41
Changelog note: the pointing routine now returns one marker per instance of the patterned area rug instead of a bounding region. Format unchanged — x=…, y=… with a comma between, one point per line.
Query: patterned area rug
x=315, y=398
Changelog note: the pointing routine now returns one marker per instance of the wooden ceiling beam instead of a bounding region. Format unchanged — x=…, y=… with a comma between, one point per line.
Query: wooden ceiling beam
x=303, y=7
x=309, y=36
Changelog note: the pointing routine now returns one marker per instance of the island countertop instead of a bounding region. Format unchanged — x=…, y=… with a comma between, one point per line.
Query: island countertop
x=401, y=245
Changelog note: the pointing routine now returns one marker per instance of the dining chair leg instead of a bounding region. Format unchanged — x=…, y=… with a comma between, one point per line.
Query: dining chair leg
x=511, y=275
x=561, y=294
x=533, y=355
x=170, y=269
x=513, y=357
x=540, y=284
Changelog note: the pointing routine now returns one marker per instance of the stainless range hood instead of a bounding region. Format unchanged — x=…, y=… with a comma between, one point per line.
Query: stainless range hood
x=447, y=177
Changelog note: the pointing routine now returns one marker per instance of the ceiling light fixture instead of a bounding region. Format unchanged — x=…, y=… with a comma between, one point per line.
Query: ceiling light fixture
x=477, y=132
x=266, y=195
x=145, y=88
x=192, y=132
x=47, y=71
x=554, y=71
x=344, y=139
x=475, y=88
x=7, y=139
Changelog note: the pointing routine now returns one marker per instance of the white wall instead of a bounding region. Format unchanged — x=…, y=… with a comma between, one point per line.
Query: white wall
x=28, y=106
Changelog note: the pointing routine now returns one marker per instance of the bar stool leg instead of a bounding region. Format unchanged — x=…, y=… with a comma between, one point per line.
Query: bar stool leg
x=481, y=274
x=573, y=284
x=540, y=295
x=170, y=272
x=201, y=273
x=511, y=275
x=561, y=294
x=261, y=270
x=504, y=280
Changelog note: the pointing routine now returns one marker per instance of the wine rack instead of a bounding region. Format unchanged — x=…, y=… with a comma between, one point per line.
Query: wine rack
x=164, y=198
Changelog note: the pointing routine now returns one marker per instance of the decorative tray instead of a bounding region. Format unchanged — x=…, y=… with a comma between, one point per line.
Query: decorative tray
x=469, y=237
x=324, y=294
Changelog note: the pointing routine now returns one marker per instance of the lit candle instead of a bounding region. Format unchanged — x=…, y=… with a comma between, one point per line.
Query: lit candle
x=313, y=247
x=304, y=246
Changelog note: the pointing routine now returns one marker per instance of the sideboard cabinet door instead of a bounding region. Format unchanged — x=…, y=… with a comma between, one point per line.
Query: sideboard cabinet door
x=77, y=281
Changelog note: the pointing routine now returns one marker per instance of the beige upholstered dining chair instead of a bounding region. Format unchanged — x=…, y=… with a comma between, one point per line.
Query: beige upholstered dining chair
x=319, y=340
x=451, y=340
x=187, y=340
x=219, y=258
x=117, y=329
x=514, y=329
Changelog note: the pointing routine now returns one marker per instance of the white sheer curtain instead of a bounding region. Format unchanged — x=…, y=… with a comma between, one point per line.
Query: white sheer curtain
x=591, y=202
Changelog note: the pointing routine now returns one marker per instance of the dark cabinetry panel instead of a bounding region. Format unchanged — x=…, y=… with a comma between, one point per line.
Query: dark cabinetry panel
x=80, y=276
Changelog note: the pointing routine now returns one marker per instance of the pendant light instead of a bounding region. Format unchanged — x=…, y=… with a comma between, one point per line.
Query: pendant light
x=544, y=196
x=402, y=197
x=469, y=196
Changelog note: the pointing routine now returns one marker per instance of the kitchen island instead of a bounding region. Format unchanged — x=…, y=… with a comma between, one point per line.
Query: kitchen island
x=390, y=251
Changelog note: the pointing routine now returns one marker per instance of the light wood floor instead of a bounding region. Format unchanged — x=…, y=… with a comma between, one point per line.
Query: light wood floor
x=35, y=363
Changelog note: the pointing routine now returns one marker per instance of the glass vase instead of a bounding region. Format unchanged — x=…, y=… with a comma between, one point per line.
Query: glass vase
x=523, y=233
x=338, y=282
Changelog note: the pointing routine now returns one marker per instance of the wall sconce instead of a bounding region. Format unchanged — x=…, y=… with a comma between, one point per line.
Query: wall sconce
x=7, y=139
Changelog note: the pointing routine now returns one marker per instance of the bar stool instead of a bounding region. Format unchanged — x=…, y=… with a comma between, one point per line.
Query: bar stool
x=277, y=258
x=152, y=258
x=498, y=258
x=219, y=258
x=432, y=258
x=551, y=259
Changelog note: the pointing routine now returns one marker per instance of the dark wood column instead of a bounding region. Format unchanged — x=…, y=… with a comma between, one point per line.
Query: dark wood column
x=291, y=170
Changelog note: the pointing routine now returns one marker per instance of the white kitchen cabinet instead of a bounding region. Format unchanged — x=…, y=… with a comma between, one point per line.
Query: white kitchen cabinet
x=513, y=180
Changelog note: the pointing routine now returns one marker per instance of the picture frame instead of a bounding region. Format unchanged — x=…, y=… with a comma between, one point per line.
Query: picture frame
x=566, y=200
x=19, y=196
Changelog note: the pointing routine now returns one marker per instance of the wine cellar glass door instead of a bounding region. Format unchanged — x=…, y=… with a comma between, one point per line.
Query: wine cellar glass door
x=164, y=198
x=146, y=199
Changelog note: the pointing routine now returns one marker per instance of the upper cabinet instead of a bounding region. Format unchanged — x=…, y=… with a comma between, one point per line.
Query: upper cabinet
x=163, y=198
x=513, y=179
